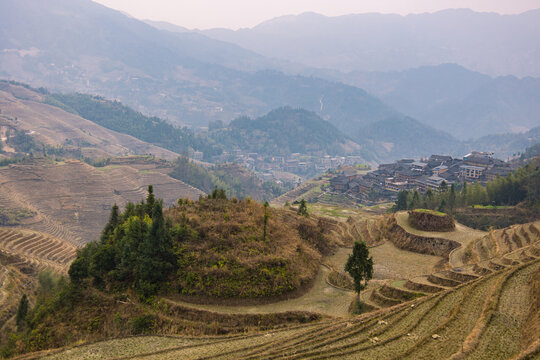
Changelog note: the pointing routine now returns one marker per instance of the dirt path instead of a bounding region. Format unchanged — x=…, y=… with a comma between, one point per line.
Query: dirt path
x=321, y=298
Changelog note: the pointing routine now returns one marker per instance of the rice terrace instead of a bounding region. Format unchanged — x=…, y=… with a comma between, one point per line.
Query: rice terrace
x=453, y=297
x=238, y=180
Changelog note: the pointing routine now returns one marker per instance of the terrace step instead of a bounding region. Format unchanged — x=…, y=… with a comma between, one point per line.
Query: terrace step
x=382, y=300
x=399, y=294
x=421, y=283
x=439, y=279
x=496, y=266
x=481, y=270
x=508, y=261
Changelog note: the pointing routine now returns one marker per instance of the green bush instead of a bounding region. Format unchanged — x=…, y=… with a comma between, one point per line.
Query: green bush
x=142, y=324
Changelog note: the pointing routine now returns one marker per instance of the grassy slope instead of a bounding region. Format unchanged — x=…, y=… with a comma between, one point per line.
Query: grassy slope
x=230, y=257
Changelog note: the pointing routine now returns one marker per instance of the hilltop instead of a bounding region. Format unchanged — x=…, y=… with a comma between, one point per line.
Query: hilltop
x=284, y=131
x=210, y=250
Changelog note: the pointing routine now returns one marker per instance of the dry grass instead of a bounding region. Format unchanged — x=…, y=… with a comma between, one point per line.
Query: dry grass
x=320, y=298
x=230, y=257
x=460, y=316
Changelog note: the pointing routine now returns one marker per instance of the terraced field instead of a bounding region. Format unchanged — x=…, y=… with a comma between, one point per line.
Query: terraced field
x=17, y=276
x=462, y=234
x=470, y=321
x=425, y=305
x=295, y=193
x=39, y=250
x=72, y=200
x=23, y=254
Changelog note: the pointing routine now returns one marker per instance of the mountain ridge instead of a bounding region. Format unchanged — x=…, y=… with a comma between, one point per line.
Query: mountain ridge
x=487, y=42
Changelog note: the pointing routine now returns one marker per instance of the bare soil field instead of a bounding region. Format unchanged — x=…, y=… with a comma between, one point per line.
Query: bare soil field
x=72, y=200
x=39, y=250
x=462, y=234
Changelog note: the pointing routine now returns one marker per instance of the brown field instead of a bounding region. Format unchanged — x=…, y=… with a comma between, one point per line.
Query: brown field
x=471, y=321
x=39, y=250
x=462, y=234
x=468, y=313
x=72, y=200
x=23, y=254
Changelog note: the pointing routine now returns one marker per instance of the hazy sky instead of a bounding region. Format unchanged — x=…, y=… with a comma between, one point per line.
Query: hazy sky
x=234, y=14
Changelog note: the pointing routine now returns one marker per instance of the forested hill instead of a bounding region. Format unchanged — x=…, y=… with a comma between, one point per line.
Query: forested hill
x=115, y=116
x=284, y=131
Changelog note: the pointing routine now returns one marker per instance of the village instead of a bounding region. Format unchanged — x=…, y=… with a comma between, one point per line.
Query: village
x=433, y=173
x=294, y=168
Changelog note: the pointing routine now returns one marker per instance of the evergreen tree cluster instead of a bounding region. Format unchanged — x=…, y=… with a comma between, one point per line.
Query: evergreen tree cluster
x=135, y=250
x=521, y=187
x=118, y=117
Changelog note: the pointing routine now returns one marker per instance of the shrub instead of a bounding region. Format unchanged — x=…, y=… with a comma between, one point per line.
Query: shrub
x=142, y=324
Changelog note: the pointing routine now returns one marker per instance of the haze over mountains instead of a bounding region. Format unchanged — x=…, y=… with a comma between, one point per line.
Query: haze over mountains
x=487, y=42
x=451, y=98
x=192, y=79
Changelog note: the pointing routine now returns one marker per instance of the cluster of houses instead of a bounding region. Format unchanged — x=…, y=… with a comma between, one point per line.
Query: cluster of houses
x=408, y=174
x=299, y=164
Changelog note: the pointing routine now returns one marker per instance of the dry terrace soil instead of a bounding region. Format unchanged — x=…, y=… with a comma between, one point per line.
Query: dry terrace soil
x=484, y=319
x=72, y=200
x=462, y=234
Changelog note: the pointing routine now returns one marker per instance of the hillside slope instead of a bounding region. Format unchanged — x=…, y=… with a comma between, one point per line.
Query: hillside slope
x=156, y=72
x=72, y=200
x=23, y=109
x=284, y=131
x=449, y=97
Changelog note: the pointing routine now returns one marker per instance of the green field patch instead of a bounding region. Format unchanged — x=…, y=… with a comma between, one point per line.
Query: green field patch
x=432, y=212
x=491, y=207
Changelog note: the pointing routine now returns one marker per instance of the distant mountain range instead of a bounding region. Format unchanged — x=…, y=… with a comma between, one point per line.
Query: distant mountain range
x=188, y=78
x=95, y=127
x=486, y=42
x=464, y=103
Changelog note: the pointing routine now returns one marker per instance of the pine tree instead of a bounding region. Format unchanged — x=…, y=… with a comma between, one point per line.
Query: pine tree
x=360, y=266
x=114, y=220
x=302, y=209
x=452, y=198
x=22, y=310
x=442, y=206
x=401, y=203
x=150, y=200
x=155, y=252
